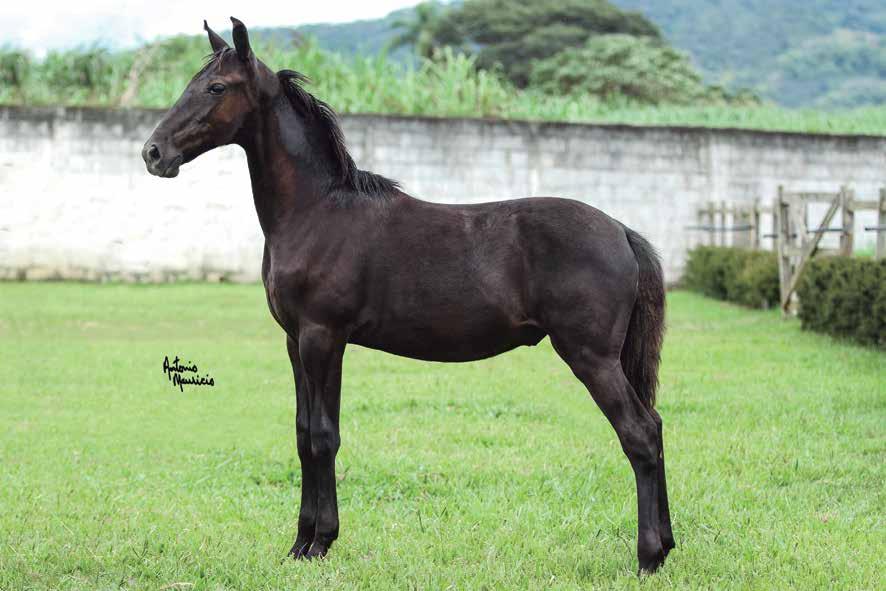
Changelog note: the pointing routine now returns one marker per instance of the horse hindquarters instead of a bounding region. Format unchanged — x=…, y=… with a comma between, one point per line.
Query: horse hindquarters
x=606, y=322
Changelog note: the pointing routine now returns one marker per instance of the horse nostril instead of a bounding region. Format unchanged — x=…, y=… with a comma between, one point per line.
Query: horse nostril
x=154, y=153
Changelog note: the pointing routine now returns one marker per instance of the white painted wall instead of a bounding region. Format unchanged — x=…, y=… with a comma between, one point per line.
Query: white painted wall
x=76, y=202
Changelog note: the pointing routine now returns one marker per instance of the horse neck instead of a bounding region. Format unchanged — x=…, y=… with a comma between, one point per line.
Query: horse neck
x=286, y=178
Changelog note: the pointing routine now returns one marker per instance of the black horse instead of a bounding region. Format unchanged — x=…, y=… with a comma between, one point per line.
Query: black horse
x=350, y=258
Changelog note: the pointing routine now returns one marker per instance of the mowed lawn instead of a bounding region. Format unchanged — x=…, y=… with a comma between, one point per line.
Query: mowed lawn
x=500, y=474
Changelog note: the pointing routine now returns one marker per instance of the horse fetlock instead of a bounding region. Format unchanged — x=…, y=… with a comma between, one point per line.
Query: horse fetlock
x=667, y=542
x=650, y=551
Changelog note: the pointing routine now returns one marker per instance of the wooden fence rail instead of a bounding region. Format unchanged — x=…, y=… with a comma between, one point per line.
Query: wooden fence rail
x=795, y=242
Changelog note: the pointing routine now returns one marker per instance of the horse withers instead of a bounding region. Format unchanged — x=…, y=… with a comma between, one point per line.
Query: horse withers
x=349, y=257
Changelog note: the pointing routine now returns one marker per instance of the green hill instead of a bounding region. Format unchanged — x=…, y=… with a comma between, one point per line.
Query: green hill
x=798, y=53
x=823, y=53
x=364, y=36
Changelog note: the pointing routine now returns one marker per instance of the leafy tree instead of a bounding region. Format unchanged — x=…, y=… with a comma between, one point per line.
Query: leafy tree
x=512, y=34
x=611, y=66
x=426, y=32
x=14, y=65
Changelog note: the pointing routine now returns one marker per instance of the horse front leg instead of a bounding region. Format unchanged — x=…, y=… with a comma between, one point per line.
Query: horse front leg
x=307, y=515
x=321, y=351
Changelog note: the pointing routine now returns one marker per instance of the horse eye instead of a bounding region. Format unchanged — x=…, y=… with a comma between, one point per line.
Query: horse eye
x=216, y=88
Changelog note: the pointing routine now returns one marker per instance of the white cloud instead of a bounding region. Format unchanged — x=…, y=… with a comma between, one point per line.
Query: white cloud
x=40, y=25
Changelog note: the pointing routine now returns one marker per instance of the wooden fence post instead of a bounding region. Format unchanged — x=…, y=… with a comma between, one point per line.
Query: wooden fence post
x=712, y=236
x=847, y=197
x=743, y=226
x=881, y=222
x=739, y=237
x=701, y=215
x=782, y=242
x=722, y=232
x=755, y=225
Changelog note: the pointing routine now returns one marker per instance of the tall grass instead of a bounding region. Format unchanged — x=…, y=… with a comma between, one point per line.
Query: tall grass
x=154, y=76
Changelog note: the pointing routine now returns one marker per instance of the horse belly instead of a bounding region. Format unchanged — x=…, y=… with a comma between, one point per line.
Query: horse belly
x=435, y=334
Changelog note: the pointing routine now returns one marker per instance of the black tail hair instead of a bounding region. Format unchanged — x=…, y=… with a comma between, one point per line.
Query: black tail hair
x=641, y=352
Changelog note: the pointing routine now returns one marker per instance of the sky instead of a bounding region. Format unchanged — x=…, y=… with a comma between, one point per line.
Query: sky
x=41, y=25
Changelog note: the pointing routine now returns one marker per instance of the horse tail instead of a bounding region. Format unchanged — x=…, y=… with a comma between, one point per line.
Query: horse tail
x=641, y=352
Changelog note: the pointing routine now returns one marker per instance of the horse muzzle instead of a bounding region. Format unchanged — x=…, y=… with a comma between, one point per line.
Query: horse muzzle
x=161, y=162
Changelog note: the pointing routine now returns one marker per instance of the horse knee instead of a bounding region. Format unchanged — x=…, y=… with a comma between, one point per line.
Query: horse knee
x=324, y=444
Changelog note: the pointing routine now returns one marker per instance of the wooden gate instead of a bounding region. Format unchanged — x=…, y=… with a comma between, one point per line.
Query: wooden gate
x=797, y=243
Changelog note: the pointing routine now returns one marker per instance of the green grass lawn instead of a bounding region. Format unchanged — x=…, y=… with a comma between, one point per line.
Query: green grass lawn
x=494, y=475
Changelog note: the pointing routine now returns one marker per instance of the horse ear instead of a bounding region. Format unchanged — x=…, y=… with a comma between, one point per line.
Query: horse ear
x=241, y=40
x=215, y=39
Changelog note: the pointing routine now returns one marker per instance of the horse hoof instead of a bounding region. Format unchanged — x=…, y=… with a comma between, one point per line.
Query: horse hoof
x=299, y=550
x=650, y=554
x=652, y=564
x=316, y=550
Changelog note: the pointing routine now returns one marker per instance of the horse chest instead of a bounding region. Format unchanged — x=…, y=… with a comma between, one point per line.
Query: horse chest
x=295, y=295
x=285, y=299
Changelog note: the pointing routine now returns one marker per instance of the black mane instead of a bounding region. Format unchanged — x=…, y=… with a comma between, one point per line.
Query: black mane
x=316, y=112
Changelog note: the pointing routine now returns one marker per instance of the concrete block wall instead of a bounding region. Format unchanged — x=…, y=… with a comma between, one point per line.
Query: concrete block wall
x=76, y=201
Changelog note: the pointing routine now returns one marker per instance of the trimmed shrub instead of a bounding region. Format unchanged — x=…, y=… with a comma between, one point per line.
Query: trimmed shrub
x=746, y=277
x=845, y=297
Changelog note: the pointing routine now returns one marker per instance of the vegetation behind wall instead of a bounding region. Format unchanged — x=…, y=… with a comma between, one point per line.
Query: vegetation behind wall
x=451, y=85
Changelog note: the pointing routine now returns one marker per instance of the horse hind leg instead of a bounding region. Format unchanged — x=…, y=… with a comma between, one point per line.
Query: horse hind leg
x=667, y=533
x=637, y=432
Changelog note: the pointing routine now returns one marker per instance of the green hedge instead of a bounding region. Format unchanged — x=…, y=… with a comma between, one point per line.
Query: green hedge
x=845, y=297
x=842, y=296
x=746, y=277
